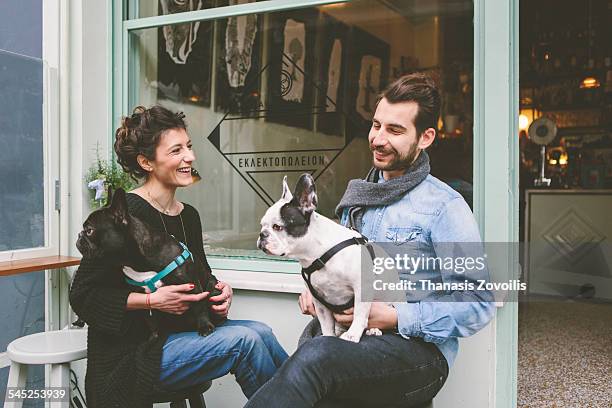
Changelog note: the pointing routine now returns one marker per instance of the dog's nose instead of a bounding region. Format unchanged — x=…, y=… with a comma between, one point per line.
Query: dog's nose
x=263, y=235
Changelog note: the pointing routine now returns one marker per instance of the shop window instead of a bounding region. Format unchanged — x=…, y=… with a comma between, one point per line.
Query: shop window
x=275, y=94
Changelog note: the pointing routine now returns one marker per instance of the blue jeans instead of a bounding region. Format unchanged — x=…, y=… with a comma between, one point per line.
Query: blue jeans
x=245, y=348
x=379, y=371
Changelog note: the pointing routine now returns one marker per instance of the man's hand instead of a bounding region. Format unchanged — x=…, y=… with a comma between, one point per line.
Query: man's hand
x=226, y=297
x=306, y=304
x=382, y=316
x=173, y=299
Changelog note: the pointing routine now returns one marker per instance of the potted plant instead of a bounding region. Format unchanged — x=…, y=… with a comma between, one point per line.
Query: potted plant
x=101, y=175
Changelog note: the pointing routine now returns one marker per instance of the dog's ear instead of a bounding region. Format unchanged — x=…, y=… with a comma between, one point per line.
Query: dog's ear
x=109, y=195
x=305, y=194
x=119, y=207
x=286, y=192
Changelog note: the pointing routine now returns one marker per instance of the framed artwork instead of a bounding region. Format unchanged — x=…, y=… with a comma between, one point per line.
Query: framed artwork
x=368, y=76
x=290, y=67
x=184, y=55
x=332, y=76
x=238, y=65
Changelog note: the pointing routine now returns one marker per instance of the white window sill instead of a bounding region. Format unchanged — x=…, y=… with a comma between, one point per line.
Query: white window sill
x=261, y=281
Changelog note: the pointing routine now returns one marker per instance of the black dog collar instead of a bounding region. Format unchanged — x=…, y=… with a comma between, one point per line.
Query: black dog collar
x=320, y=263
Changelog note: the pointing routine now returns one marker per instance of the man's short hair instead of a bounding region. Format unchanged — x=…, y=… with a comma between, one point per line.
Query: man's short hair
x=421, y=89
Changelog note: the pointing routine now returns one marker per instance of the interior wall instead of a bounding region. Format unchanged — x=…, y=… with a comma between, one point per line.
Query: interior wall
x=381, y=22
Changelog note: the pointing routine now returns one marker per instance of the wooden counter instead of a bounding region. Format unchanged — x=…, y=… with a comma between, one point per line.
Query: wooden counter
x=37, y=264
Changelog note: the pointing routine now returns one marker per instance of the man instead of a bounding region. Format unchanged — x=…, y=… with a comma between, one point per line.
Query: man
x=399, y=202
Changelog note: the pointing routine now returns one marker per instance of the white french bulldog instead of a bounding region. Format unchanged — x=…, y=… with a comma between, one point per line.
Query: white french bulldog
x=292, y=228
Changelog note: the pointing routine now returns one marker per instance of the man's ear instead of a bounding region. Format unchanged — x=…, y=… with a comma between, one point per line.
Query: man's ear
x=305, y=194
x=119, y=207
x=286, y=192
x=427, y=138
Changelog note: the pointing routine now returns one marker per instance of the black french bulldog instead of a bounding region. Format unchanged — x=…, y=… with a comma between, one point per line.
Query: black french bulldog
x=112, y=233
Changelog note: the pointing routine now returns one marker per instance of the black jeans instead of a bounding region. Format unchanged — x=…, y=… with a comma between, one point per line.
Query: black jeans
x=380, y=371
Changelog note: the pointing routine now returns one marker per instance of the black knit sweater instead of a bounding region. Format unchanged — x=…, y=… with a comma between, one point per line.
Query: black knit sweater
x=123, y=365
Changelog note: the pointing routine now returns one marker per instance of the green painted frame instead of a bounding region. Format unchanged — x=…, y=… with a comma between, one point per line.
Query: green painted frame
x=495, y=142
x=496, y=189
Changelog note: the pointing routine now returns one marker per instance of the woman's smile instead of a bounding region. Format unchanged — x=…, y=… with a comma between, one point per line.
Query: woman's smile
x=184, y=171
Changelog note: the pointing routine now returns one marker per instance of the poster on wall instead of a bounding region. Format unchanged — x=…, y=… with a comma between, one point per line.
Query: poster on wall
x=368, y=75
x=291, y=65
x=331, y=84
x=184, y=55
x=238, y=64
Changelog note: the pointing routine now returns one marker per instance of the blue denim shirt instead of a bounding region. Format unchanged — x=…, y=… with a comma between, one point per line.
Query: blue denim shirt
x=432, y=213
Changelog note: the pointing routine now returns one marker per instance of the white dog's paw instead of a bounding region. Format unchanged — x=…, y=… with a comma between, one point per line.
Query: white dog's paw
x=349, y=336
x=373, y=332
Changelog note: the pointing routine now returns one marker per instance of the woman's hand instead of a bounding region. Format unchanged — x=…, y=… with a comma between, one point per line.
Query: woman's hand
x=173, y=299
x=382, y=316
x=225, y=297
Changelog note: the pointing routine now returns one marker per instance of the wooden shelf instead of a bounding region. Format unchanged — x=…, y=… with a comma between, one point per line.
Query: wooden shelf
x=37, y=264
x=560, y=108
x=575, y=107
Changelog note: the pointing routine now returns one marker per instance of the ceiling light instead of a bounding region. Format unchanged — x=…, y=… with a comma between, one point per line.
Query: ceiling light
x=589, y=83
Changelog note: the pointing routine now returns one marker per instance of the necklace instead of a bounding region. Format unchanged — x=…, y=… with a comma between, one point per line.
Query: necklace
x=166, y=211
x=163, y=209
x=182, y=226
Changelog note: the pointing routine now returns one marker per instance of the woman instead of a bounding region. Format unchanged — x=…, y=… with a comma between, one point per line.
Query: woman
x=124, y=367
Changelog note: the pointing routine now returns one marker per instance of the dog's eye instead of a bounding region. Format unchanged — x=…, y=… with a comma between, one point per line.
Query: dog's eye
x=277, y=227
x=89, y=231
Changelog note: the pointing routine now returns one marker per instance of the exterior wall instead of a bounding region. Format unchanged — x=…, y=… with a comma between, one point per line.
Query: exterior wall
x=86, y=110
x=278, y=310
x=85, y=113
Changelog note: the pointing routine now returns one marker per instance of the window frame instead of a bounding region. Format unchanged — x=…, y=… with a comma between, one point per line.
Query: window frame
x=50, y=142
x=51, y=27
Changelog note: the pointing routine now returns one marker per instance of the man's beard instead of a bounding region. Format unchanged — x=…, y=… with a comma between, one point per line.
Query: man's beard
x=399, y=162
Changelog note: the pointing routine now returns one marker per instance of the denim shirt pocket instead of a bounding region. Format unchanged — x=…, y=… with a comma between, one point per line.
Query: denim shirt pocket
x=402, y=235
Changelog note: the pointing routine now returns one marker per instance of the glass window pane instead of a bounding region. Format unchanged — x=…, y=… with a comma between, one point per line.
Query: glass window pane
x=285, y=93
x=22, y=312
x=21, y=156
x=14, y=16
x=34, y=381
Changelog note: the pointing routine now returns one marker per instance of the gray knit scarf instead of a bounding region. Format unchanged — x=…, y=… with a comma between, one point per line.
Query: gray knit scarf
x=370, y=193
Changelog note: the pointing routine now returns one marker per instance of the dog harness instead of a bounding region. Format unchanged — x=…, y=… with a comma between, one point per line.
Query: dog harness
x=320, y=262
x=178, y=261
